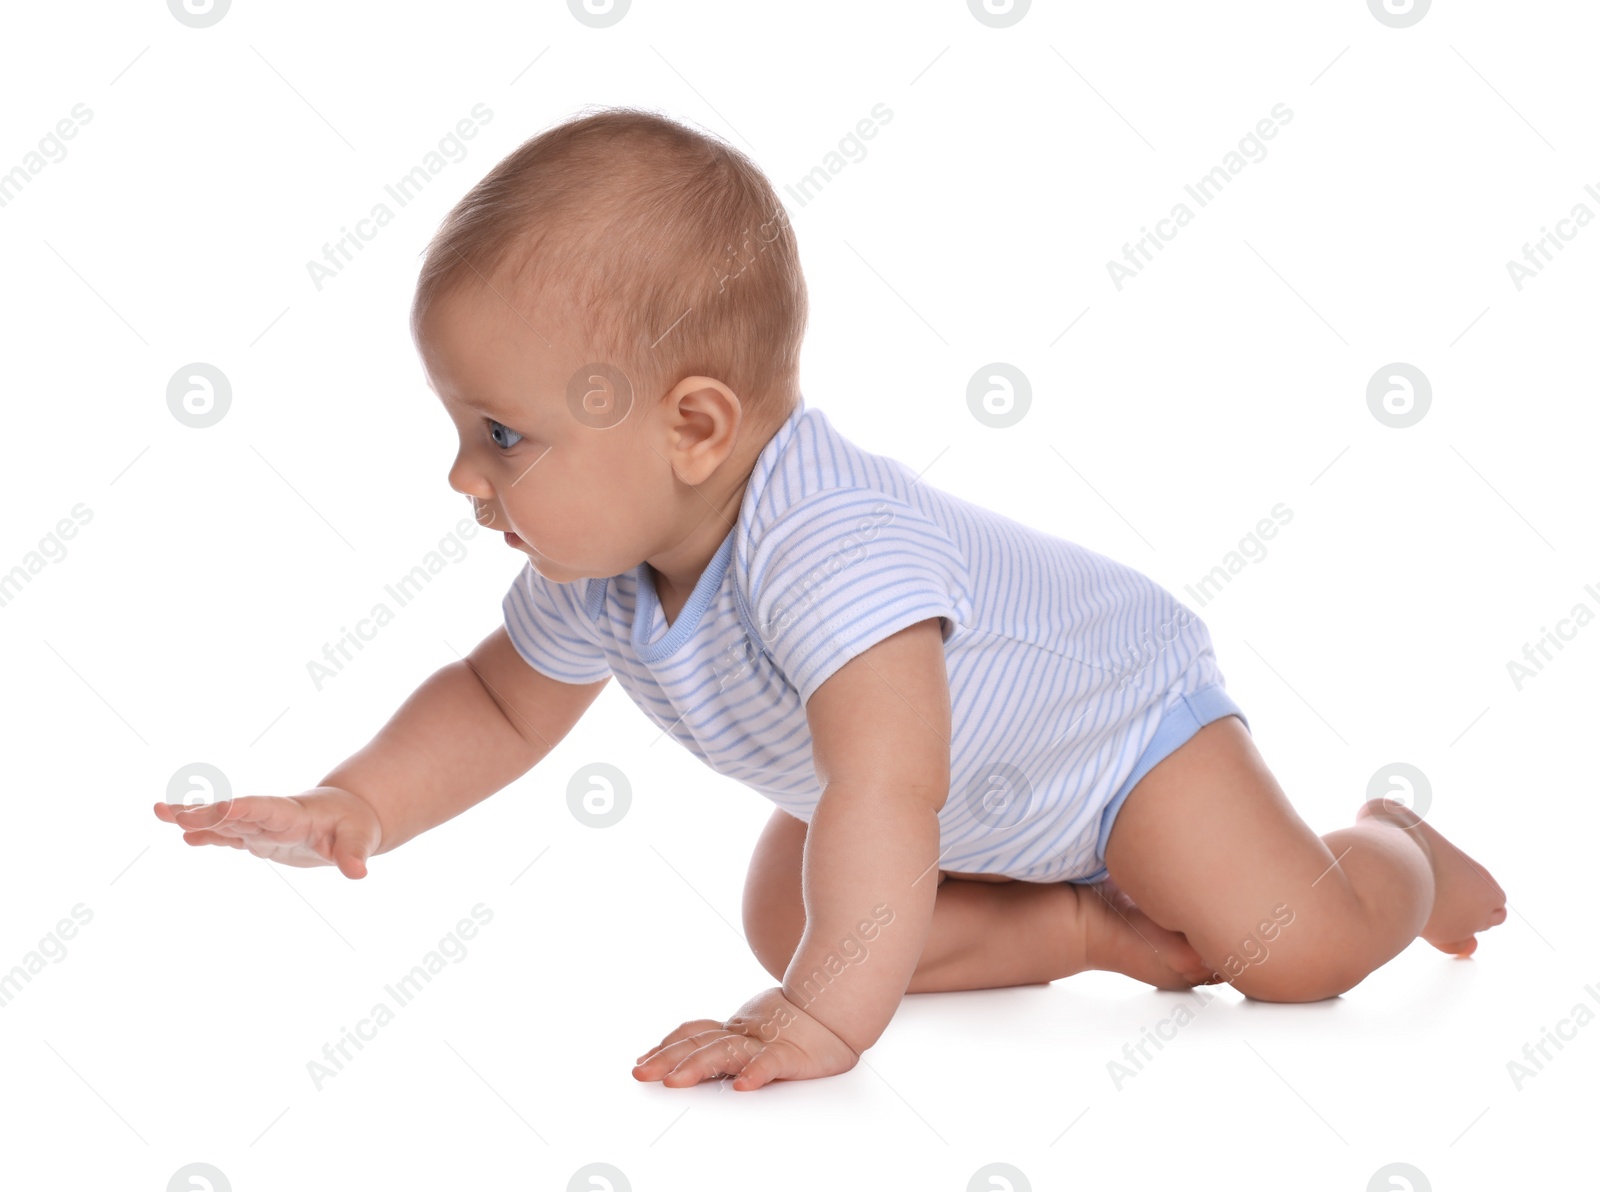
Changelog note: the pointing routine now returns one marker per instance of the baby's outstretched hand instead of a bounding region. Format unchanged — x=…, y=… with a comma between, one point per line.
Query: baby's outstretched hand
x=769, y=1038
x=323, y=826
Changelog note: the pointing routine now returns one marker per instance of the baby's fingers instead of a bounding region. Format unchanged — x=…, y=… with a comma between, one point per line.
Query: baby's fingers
x=212, y=838
x=664, y=1056
x=766, y=1065
x=349, y=851
x=727, y=1056
x=698, y=1027
x=236, y=817
x=195, y=817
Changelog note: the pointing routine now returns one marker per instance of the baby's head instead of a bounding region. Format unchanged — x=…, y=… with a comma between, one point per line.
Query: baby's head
x=612, y=318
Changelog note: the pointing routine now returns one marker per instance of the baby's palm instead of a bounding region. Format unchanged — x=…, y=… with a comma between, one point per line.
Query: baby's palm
x=325, y=826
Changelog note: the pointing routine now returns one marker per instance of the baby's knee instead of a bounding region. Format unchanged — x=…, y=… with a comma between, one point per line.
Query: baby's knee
x=773, y=931
x=1292, y=956
x=774, y=910
x=1301, y=982
x=1307, y=969
x=771, y=959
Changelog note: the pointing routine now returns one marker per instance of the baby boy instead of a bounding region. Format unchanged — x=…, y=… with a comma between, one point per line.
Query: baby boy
x=996, y=757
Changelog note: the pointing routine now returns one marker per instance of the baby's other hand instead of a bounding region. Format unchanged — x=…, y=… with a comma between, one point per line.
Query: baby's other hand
x=323, y=826
x=769, y=1038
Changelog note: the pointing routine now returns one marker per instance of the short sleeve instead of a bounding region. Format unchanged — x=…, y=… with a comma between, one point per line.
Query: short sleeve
x=841, y=570
x=546, y=623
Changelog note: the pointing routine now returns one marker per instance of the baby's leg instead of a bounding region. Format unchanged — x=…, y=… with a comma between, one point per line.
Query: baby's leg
x=1208, y=845
x=984, y=935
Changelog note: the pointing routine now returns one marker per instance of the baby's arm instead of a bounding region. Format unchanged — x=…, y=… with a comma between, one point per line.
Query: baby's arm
x=880, y=728
x=471, y=728
x=468, y=730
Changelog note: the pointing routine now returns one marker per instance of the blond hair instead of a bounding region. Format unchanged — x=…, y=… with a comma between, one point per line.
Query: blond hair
x=667, y=244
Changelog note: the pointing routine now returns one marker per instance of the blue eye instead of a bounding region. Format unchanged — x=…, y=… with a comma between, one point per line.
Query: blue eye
x=513, y=437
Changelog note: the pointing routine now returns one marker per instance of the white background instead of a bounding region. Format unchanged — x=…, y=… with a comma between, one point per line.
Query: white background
x=1230, y=375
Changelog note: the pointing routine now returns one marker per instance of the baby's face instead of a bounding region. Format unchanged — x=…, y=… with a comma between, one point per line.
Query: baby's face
x=585, y=495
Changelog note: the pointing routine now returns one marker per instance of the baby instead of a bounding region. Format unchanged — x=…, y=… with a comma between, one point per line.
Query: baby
x=996, y=757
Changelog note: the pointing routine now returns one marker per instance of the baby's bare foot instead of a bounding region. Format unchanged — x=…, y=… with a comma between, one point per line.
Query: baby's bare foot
x=1121, y=938
x=1466, y=899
